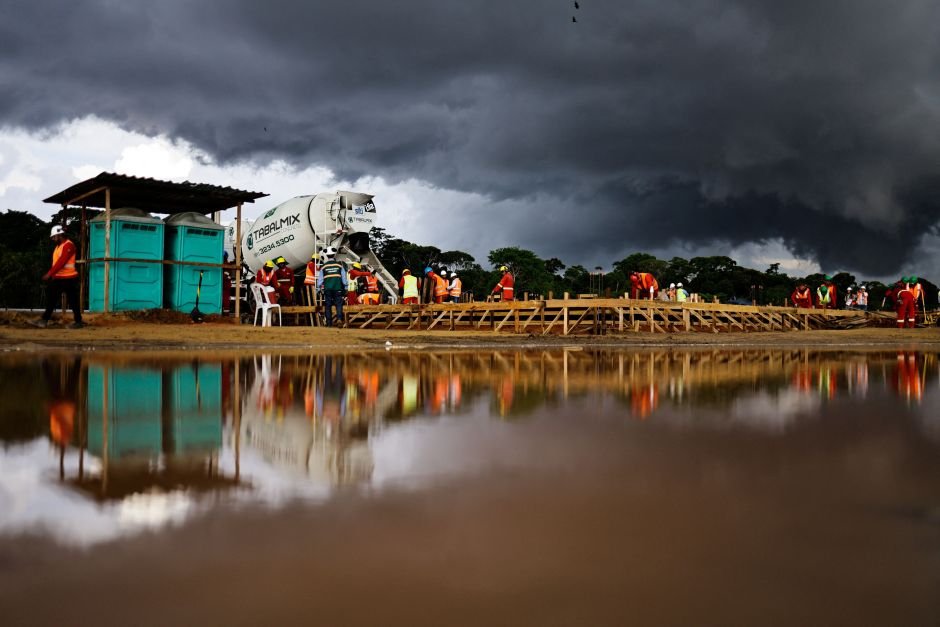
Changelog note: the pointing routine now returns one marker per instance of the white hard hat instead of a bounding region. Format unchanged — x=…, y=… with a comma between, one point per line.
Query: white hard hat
x=443, y=272
x=671, y=285
x=57, y=230
x=678, y=284
x=848, y=289
x=330, y=251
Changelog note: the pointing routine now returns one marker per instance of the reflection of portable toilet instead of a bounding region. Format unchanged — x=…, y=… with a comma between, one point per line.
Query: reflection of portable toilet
x=195, y=401
x=133, y=409
x=194, y=238
x=135, y=234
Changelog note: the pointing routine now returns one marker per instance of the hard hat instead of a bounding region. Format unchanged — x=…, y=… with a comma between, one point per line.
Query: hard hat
x=313, y=256
x=914, y=278
x=57, y=230
x=678, y=284
x=356, y=265
x=503, y=268
x=406, y=271
x=268, y=264
x=453, y=273
x=828, y=277
x=443, y=272
x=330, y=251
x=672, y=285
x=280, y=260
x=428, y=269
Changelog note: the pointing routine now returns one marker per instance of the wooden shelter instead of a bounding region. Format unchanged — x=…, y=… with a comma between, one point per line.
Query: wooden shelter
x=109, y=190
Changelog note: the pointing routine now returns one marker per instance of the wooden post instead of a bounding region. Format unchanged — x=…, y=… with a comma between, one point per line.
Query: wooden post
x=83, y=272
x=237, y=417
x=107, y=249
x=238, y=264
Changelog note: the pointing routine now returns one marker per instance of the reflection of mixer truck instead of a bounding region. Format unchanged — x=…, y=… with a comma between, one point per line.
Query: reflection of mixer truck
x=305, y=225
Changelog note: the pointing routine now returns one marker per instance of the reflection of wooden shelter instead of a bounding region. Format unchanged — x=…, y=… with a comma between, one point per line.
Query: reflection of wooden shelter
x=109, y=190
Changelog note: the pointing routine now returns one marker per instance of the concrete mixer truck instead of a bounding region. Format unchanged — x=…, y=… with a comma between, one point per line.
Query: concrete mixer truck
x=305, y=225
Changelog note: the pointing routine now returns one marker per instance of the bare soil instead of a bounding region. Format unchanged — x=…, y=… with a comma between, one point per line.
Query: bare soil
x=168, y=330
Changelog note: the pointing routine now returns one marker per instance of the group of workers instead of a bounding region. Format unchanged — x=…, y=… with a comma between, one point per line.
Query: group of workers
x=905, y=294
x=447, y=287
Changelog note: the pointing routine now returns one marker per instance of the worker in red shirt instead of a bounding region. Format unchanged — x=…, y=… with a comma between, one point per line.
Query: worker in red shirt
x=62, y=278
x=267, y=279
x=643, y=285
x=802, y=296
x=904, y=304
x=285, y=282
x=355, y=287
x=506, y=288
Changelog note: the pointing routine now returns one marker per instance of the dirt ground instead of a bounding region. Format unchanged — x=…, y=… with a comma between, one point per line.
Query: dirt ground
x=169, y=331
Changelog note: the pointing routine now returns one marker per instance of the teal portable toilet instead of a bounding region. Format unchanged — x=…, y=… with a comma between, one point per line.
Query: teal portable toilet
x=134, y=426
x=194, y=238
x=135, y=234
x=195, y=399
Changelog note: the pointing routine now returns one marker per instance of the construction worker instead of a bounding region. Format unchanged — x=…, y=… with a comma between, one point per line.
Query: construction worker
x=438, y=284
x=62, y=278
x=861, y=299
x=681, y=295
x=849, y=298
x=310, y=274
x=455, y=288
x=643, y=285
x=285, y=282
x=409, y=288
x=331, y=278
x=904, y=304
x=354, y=287
x=506, y=287
x=267, y=279
x=671, y=293
x=802, y=297
x=918, y=291
x=825, y=295
x=370, y=295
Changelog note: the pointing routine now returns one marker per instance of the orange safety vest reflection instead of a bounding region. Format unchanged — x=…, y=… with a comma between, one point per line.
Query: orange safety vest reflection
x=61, y=421
x=68, y=270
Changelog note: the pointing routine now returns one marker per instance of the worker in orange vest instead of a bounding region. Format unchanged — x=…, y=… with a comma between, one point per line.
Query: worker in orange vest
x=455, y=288
x=802, y=296
x=506, y=288
x=310, y=274
x=285, y=282
x=355, y=287
x=267, y=279
x=643, y=285
x=62, y=278
x=438, y=284
x=370, y=295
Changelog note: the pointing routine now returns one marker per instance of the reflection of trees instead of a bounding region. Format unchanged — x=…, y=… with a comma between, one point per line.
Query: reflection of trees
x=22, y=395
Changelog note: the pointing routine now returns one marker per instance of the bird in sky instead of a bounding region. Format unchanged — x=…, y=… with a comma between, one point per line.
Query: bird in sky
x=576, y=5
x=574, y=19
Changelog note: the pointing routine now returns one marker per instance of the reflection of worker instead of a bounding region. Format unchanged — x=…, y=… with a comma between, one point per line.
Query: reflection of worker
x=285, y=282
x=907, y=379
x=506, y=288
x=332, y=280
x=267, y=279
x=802, y=297
x=62, y=380
x=643, y=285
x=644, y=400
x=409, y=288
x=62, y=278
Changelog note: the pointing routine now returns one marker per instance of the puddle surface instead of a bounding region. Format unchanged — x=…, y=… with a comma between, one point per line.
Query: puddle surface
x=538, y=487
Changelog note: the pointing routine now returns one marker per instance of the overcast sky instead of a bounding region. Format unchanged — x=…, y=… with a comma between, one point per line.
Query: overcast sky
x=801, y=132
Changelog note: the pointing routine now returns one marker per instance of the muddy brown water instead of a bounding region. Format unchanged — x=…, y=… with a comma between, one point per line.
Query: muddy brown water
x=539, y=487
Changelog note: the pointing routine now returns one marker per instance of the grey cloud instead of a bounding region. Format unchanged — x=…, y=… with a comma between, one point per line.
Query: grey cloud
x=671, y=122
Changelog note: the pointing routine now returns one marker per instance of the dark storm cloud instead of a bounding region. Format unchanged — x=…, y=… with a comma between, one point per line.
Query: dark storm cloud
x=671, y=122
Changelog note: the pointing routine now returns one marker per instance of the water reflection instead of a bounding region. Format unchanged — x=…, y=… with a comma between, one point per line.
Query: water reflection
x=147, y=442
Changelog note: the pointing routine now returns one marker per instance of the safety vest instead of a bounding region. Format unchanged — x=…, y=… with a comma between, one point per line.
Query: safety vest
x=265, y=278
x=455, y=288
x=917, y=290
x=823, y=294
x=682, y=295
x=372, y=284
x=862, y=298
x=440, y=285
x=310, y=278
x=507, y=286
x=332, y=276
x=410, y=289
x=68, y=270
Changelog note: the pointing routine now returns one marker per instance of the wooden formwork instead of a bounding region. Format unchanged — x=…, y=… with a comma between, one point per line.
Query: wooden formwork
x=596, y=317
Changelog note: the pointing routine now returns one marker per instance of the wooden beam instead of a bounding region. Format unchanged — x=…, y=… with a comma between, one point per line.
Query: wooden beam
x=238, y=264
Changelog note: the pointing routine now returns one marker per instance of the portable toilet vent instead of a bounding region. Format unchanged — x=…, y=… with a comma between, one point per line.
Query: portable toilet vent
x=194, y=238
x=134, y=284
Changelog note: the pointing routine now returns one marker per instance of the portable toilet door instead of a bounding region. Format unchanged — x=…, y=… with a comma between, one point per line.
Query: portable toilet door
x=133, y=285
x=194, y=238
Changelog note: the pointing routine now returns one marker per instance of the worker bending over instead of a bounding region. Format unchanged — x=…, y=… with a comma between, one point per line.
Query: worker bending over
x=802, y=297
x=353, y=289
x=643, y=285
x=368, y=288
x=62, y=278
x=507, y=285
x=904, y=304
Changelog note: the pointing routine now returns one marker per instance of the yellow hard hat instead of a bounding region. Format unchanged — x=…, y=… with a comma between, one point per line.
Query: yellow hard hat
x=503, y=268
x=268, y=264
x=281, y=260
x=356, y=265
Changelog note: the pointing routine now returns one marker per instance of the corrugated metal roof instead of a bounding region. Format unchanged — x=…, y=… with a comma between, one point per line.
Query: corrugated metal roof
x=152, y=195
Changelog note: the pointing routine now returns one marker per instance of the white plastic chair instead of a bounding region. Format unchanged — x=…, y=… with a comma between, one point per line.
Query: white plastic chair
x=263, y=307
